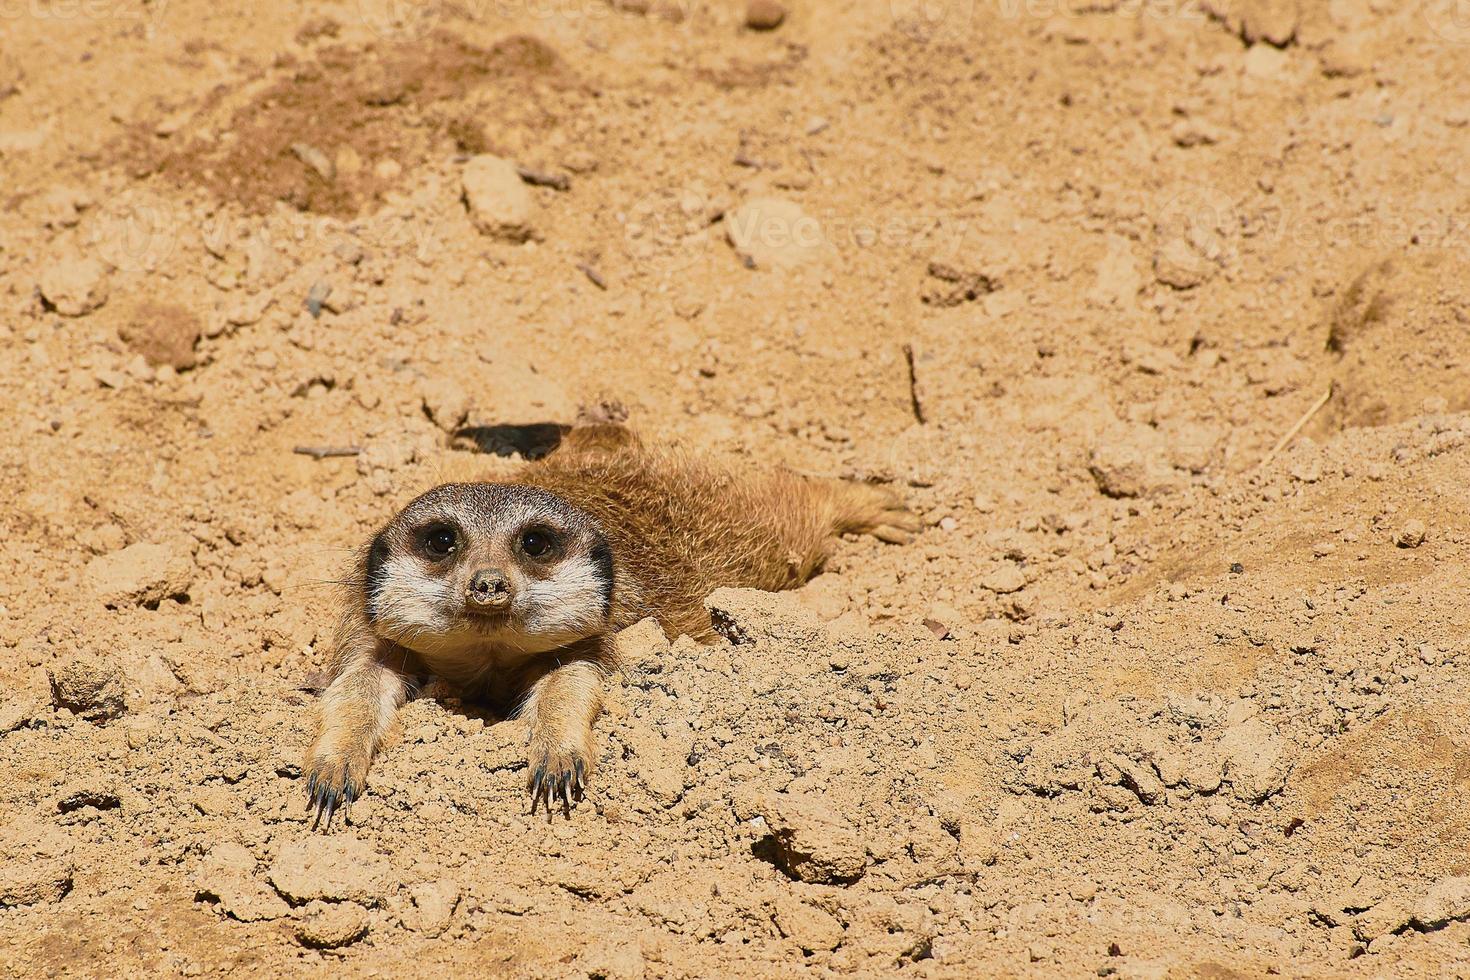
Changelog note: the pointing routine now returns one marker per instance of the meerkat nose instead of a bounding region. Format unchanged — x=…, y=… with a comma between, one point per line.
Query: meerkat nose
x=488, y=589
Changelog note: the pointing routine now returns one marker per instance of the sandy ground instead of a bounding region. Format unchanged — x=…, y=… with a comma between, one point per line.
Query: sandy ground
x=1144, y=699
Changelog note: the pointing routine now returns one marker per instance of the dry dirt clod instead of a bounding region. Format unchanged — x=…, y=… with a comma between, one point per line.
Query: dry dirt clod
x=1411, y=535
x=36, y=862
x=164, y=334
x=142, y=574
x=74, y=285
x=775, y=233
x=227, y=877
x=16, y=712
x=642, y=647
x=434, y=903
x=1257, y=760
x=1004, y=580
x=327, y=925
x=1178, y=266
x=1272, y=21
x=1131, y=461
x=1447, y=900
x=809, y=927
x=448, y=404
x=339, y=868
x=750, y=615
x=810, y=841
x=499, y=203
x=90, y=685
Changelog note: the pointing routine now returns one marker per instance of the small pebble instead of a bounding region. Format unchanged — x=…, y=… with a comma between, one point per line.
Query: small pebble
x=497, y=199
x=74, y=285
x=1411, y=535
x=316, y=160
x=316, y=298
x=764, y=15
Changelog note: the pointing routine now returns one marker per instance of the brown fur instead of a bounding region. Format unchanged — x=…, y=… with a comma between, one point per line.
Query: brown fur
x=679, y=528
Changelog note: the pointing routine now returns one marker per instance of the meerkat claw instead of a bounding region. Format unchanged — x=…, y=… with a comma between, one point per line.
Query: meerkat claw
x=564, y=787
x=534, y=786
x=323, y=800
x=322, y=807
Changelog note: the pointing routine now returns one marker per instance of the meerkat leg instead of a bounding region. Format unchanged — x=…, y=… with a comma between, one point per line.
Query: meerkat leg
x=355, y=714
x=559, y=710
x=862, y=508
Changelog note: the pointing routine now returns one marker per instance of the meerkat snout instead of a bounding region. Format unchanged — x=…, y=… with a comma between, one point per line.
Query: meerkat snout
x=489, y=589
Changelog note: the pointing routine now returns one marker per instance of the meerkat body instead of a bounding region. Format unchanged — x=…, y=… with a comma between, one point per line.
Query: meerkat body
x=512, y=591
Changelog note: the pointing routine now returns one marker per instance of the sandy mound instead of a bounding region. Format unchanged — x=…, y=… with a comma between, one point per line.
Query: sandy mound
x=1134, y=704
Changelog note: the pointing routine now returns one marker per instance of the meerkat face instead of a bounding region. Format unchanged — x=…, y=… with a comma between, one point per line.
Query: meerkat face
x=470, y=569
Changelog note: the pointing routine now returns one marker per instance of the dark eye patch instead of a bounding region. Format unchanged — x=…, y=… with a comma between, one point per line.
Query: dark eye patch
x=377, y=562
x=602, y=558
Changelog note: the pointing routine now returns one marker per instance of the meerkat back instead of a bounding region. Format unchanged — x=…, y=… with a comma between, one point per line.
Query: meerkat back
x=681, y=527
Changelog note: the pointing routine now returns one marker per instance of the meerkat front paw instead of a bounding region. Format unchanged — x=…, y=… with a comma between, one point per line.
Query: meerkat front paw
x=333, y=781
x=557, y=772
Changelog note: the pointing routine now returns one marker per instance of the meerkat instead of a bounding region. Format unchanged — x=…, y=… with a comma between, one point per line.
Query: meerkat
x=511, y=592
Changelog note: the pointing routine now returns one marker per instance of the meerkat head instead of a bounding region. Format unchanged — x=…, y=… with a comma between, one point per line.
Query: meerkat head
x=468, y=565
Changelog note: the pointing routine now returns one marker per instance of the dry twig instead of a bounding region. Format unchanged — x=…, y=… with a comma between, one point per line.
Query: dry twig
x=914, y=402
x=323, y=452
x=1291, y=433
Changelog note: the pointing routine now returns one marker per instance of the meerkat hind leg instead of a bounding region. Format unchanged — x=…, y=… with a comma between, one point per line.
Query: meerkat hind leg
x=863, y=508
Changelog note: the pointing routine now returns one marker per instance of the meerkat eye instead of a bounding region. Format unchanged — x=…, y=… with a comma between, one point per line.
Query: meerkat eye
x=535, y=542
x=440, y=540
